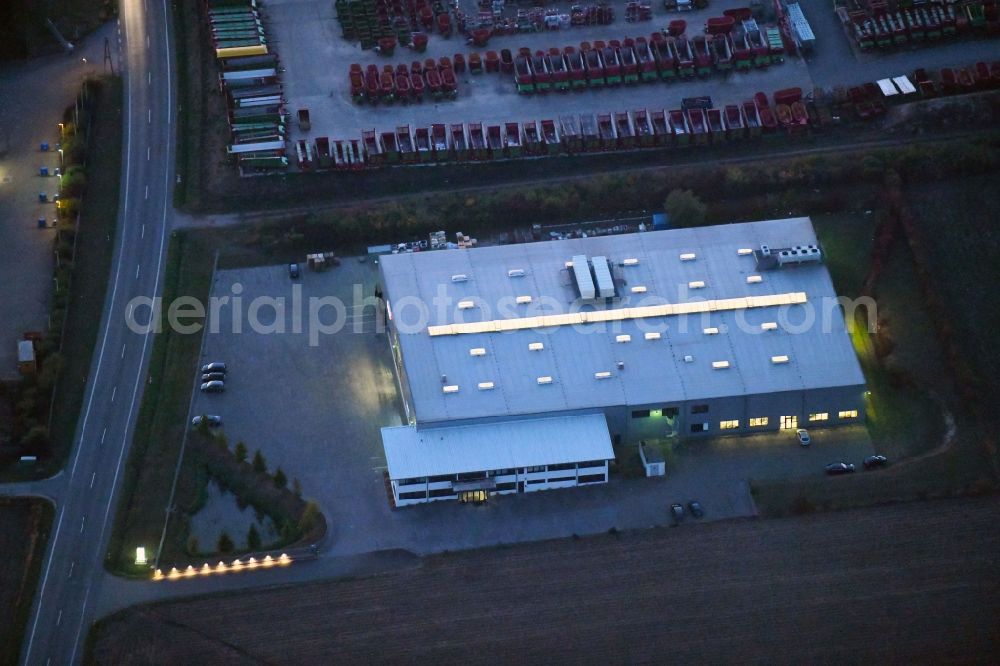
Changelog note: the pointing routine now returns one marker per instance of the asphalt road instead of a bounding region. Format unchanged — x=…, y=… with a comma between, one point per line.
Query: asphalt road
x=73, y=575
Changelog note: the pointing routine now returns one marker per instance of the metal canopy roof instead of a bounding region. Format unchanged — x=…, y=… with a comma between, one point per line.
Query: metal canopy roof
x=676, y=365
x=412, y=453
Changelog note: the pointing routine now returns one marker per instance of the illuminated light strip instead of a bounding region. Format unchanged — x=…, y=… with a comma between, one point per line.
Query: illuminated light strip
x=619, y=314
x=221, y=568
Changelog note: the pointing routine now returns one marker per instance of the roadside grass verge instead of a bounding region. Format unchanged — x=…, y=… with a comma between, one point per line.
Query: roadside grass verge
x=25, y=524
x=162, y=417
x=95, y=248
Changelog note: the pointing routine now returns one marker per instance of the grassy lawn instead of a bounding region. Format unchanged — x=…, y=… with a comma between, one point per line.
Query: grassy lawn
x=162, y=417
x=25, y=524
x=904, y=363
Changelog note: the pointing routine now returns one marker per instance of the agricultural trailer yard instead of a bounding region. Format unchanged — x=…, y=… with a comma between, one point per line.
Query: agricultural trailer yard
x=316, y=81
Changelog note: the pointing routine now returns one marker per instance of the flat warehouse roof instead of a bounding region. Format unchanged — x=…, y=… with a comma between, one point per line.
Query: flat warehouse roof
x=501, y=331
x=412, y=453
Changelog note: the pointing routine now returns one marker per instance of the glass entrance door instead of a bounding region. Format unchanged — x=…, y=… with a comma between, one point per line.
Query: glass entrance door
x=474, y=496
x=789, y=422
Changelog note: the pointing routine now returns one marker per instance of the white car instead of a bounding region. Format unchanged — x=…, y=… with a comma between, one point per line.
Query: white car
x=803, y=436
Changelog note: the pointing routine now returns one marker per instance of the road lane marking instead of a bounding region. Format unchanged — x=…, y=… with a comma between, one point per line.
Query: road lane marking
x=128, y=311
x=103, y=435
x=59, y=618
x=92, y=477
x=149, y=115
x=71, y=565
x=147, y=40
x=142, y=235
x=147, y=191
x=147, y=153
x=149, y=77
x=113, y=392
x=83, y=522
x=123, y=351
x=137, y=270
x=100, y=359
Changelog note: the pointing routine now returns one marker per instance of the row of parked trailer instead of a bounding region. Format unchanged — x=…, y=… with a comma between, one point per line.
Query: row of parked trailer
x=698, y=122
x=882, y=27
x=249, y=78
x=403, y=83
x=638, y=60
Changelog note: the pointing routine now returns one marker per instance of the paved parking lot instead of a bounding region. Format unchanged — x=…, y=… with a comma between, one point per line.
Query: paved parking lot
x=316, y=412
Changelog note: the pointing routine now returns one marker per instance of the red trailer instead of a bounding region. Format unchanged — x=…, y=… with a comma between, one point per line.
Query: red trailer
x=594, y=68
x=715, y=126
x=684, y=57
x=372, y=84
x=800, y=117
x=477, y=142
x=644, y=56
x=788, y=96
x=448, y=83
x=492, y=61
x=417, y=86
x=532, y=138
x=403, y=91
x=783, y=113
x=404, y=141
x=677, y=27
x=606, y=130
x=373, y=151
x=612, y=66
x=513, y=145
x=434, y=82
x=543, y=75
x=625, y=130
x=643, y=128
x=506, y=61
x=459, y=144
x=719, y=25
x=523, y=75
x=734, y=122
x=422, y=143
x=679, y=127
x=666, y=61
x=560, y=73
x=630, y=65
x=569, y=134
x=751, y=118
x=550, y=137
x=767, y=120
x=699, y=128
x=494, y=141
x=661, y=130
x=577, y=74
x=703, y=62
x=439, y=141
x=387, y=86
x=722, y=52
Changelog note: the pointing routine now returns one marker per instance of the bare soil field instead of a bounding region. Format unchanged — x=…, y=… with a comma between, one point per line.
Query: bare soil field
x=24, y=530
x=909, y=583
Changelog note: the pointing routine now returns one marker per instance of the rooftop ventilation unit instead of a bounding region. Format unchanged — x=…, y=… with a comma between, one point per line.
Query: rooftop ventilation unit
x=769, y=326
x=584, y=281
x=711, y=330
x=515, y=272
x=696, y=284
x=765, y=250
x=602, y=275
x=799, y=254
x=602, y=375
x=689, y=359
x=754, y=279
x=465, y=305
x=652, y=335
x=688, y=256
x=720, y=365
x=522, y=300
x=544, y=380
x=631, y=261
x=536, y=346
x=623, y=338
x=485, y=386
x=477, y=351
x=459, y=277
x=779, y=359
x=451, y=388
x=744, y=251
x=639, y=290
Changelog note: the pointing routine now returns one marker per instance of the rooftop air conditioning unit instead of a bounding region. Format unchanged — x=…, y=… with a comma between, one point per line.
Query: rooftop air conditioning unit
x=515, y=272
x=459, y=277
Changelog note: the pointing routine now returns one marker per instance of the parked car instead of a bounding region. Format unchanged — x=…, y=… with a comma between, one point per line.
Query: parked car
x=213, y=386
x=213, y=377
x=212, y=420
x=293, y=271
x=214, y=367
x=803, y=436
x=677, y=513
x=839, y=468
x=871, y=462
x=695, y=509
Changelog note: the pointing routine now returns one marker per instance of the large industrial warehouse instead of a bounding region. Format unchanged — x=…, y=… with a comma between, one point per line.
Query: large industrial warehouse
x=521, y=364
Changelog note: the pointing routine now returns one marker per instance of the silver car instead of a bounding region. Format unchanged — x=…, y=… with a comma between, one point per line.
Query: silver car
x=213, y=387
x=212, y=420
